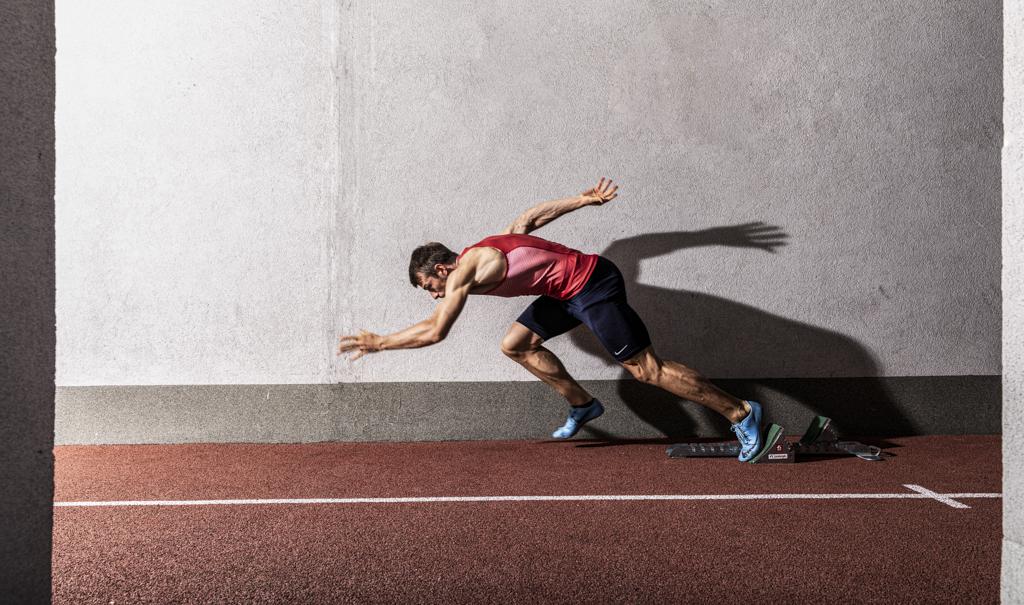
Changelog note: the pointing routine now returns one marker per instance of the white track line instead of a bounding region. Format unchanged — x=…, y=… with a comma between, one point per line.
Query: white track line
x=917, y=495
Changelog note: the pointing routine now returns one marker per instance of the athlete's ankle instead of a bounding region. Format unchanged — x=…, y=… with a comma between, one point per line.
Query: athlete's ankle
x=738, y=415
x=584, y=405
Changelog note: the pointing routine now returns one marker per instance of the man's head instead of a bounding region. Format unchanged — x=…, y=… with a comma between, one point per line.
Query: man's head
x=429, y=267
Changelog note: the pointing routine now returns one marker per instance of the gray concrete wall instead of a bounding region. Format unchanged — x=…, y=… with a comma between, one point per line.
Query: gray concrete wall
x=27, y=331
x=1013, y=303
x=424, y=411
x=196, y=148
x=239, y=184
x=868, y=132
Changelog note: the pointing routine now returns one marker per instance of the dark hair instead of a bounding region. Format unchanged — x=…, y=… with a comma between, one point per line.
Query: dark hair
x=425, y=257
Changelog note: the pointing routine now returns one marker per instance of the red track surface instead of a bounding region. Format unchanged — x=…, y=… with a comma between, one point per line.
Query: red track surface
x=803, y=551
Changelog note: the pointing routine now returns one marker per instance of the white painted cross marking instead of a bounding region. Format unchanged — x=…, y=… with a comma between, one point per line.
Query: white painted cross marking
x=943, y=498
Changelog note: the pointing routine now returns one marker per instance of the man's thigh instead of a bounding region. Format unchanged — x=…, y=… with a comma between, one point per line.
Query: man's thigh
x=547, y=318
x=618, y=327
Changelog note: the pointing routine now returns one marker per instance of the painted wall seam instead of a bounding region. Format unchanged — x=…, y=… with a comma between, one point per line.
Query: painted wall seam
x=332, y=168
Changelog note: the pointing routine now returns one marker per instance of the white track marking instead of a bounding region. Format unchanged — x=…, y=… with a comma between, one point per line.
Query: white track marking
x=920, y=494
x=946, y=499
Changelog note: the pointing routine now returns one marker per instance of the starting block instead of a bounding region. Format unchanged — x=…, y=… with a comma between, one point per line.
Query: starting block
x=818, y=440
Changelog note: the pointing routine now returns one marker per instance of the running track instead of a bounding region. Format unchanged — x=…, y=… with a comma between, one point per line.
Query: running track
x=490, y=522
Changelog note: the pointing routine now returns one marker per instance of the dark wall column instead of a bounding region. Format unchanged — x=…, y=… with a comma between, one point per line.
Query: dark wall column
x=27, y=317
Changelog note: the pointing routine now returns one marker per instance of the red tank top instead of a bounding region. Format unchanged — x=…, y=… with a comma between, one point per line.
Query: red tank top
x=536, y=266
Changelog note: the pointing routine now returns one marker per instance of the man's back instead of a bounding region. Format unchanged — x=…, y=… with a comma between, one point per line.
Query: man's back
x=535, y=267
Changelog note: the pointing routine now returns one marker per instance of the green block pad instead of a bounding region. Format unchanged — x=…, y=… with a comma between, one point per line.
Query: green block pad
x=771, y=437
x=815, y=429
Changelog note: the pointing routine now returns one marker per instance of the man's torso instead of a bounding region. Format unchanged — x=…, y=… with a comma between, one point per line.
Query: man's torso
x=524, y=265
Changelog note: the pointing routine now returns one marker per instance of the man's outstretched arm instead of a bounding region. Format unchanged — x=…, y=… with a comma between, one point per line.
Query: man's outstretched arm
x=427, y=332
x=542, y=214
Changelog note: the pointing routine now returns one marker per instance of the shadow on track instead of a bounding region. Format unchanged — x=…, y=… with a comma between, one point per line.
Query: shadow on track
x=706, y=331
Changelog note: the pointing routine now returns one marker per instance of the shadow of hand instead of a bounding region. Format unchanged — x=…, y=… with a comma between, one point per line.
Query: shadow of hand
x=748, y=235
x=628, y=252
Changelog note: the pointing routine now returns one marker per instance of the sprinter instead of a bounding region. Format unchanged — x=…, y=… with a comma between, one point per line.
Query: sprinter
x=572, y=288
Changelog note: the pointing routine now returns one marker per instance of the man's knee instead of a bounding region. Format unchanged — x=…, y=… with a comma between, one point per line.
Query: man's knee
x=517, y=348
x=510, y=350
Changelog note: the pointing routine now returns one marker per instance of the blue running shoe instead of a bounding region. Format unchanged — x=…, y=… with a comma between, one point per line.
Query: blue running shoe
x=748, y=431
x=577, y=418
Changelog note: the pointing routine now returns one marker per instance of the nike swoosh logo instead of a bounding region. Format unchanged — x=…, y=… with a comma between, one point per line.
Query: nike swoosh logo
x=620, y=350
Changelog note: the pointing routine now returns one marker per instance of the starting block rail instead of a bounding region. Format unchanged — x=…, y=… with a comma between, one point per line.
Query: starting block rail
x=818, y=440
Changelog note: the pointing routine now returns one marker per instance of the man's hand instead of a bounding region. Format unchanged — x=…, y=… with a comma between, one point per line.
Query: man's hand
x=365, y=342
x=604, y=192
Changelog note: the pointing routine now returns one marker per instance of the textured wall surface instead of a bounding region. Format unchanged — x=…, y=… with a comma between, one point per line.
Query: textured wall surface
x=27, y=330
x=238, y=184
x=1013, y=303
x=869, y=132
x=196, y=147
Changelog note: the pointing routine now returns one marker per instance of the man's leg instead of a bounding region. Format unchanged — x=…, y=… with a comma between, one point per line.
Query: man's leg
x=685, y=382
x=689, y=384
x=605, y=309
x=524, y=347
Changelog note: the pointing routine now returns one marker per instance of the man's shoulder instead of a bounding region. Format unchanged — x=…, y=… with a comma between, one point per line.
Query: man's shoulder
x=481, y=266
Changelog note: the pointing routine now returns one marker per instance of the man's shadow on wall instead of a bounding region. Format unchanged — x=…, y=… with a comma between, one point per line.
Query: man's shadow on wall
x=705, y=331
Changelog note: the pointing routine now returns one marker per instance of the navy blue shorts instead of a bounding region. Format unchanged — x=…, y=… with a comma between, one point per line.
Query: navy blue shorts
x=601, y=305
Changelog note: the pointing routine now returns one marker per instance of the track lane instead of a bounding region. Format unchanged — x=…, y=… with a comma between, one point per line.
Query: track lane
x=340, y=470
x=905, y=550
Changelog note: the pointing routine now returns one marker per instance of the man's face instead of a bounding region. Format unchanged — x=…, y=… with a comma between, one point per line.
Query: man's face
x=434, y=285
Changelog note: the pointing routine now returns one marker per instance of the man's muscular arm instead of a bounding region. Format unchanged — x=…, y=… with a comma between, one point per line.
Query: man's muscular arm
x=427, y=332
x=542, y=214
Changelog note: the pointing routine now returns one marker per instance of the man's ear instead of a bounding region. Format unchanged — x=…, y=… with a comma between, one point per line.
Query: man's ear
x=441, y=270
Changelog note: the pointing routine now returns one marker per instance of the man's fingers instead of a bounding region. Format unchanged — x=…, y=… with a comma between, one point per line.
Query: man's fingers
x=608, y=193
x=348, y=343
x=362, y=344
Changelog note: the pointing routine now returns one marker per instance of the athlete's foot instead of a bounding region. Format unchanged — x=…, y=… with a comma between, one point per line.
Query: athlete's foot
x=748, y=431
x=578, y=416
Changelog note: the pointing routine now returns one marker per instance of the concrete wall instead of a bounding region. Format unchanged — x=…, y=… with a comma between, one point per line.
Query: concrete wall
x=1013, y=303
x=868, y=132
x=27, y=320
x=238, y=185
x=196, y=148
